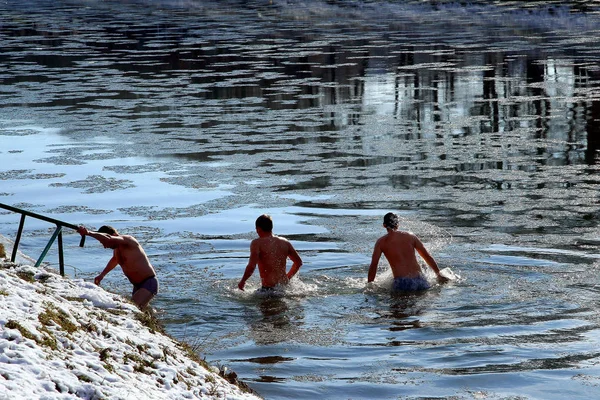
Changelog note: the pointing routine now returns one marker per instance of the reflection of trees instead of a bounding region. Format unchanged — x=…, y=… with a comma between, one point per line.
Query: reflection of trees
x=402, y=82
x=593, y=133
x=530, y=107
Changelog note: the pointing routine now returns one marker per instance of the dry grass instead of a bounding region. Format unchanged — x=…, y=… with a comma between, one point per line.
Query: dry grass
x=52, y=315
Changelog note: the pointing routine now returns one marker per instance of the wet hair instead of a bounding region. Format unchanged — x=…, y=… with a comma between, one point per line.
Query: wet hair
x=265, y=223
x=391, y=220
x=108, y=229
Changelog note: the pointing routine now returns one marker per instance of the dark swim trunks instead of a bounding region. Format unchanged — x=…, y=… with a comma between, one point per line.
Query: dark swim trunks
x=150, y=284
x=411, y=284
x=270, y=291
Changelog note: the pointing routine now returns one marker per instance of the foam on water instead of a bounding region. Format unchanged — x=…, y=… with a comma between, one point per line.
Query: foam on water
x=449, y=274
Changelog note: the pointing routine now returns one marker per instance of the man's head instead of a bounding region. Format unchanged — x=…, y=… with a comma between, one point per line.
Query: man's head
x=391, y=220
x=108, y=230
x=265, y=223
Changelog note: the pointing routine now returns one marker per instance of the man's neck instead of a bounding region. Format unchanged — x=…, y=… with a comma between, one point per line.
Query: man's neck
x=264, y=234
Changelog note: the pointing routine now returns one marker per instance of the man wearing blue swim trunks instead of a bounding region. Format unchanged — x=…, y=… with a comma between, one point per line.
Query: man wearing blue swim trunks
x=399, y=249
x=129, y=254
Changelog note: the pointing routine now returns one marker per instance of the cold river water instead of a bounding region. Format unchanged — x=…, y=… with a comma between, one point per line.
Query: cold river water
x=180, y=122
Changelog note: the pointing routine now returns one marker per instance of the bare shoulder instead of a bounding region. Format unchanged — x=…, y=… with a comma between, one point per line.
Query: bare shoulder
x=281, y=238
x=415, y=239
x=283, y=243
x=130, y=240
x=408, y=234
x=382, y=241
x=260, y=242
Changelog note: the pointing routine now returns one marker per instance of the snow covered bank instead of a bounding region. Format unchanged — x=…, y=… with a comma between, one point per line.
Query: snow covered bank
x=67, y=339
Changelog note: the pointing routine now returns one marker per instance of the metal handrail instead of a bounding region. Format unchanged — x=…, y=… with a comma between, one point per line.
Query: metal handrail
x=57, y=234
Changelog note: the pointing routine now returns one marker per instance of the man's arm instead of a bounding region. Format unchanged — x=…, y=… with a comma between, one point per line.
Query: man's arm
x=297, y=261
x=112, y=263
x=251, y=265
x=428, y=259
x=104, y=238
x=374, y=262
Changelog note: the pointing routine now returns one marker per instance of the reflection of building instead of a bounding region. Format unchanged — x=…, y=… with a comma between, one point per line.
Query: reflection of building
x=522, y=106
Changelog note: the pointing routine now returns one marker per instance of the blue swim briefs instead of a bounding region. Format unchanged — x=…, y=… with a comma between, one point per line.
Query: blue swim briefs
x=150, y=284
x=411, y=284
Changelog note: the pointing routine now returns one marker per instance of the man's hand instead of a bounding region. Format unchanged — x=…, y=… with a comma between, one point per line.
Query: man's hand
x=98, y=279
x=82, y=230
x=442, y=279
x=241, y=285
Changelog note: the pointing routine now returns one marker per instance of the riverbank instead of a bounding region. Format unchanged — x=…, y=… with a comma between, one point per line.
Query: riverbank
x=63, y=338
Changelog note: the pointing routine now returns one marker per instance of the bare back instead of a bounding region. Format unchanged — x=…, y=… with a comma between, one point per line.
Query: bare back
x=272, y=253
x=400, y=250
x=399, y=247
x=133, y=260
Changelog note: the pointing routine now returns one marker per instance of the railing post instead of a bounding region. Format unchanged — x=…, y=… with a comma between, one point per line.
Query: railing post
x=61, y=259
x=47, y=248
x=13, y=257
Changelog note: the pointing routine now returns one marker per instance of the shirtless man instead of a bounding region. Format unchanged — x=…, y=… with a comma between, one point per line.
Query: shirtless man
x=399, y=249
x=130, y=255
x=270, y=252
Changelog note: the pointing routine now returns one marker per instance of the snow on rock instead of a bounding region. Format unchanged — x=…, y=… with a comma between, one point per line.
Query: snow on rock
x=70, y=339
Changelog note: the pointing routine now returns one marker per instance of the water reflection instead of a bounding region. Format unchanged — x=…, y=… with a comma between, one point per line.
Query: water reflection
x=404, y=311
x=280, y=320
x=275, y=312
x=173, y=77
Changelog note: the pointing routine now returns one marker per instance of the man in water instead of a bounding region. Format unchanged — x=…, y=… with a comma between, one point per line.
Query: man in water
x=399, y=249
x=130, y=255
x=270, y=252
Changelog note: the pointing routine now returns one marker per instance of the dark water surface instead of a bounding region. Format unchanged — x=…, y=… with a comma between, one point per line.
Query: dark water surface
x=181, y=121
